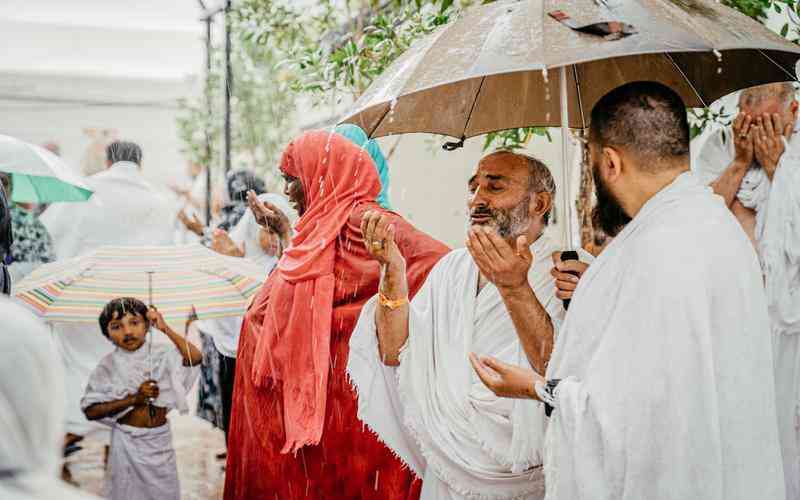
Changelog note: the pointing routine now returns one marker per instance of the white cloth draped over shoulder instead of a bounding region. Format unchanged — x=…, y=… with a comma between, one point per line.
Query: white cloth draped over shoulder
x=120, y=373
x=432, y=410
x=777, y=233
x=31, y=417
x=125, y=209
x=665, y=363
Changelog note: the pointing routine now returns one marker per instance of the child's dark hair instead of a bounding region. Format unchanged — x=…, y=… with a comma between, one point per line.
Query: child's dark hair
x=118, y=308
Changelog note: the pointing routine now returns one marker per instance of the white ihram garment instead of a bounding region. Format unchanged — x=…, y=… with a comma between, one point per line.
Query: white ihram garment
x=777, y=207
x=142, y=461
x=31, y=417
x=124, y=210
x=432, y=410
x=665, y=363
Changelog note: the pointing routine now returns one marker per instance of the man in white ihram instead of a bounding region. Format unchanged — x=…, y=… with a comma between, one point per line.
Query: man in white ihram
x=660, y=384
x=125, y=209
x=755, y=166
x=426, y=404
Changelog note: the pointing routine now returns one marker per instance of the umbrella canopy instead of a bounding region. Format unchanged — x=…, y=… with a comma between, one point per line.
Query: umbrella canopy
x=37, y=175
x=179, y=279
x=487, y=70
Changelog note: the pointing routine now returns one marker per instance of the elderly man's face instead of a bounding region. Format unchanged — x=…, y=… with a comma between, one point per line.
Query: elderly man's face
x=771, y=106
x=500, y=196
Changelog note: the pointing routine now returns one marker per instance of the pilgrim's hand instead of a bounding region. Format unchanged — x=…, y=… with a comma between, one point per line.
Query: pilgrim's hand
x=743, y=140
x=156, y=319
x=506, y=267
x=221, y=242
x=147, y=391
x=769, y=146
x=566, y=283
x=268, y=215
x=194, y=225
x=506, y=381
x=379, y=234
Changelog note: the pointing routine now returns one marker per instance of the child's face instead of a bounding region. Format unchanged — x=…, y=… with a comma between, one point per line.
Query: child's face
x=128, y=332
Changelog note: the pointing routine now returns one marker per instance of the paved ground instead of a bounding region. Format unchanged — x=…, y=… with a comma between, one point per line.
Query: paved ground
x=196, y=444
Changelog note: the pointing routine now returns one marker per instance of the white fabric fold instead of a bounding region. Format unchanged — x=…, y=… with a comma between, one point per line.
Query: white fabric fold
x=667, y=333
x=142, y=465
x=31, y=416
x=120, y=373
x=432, y=410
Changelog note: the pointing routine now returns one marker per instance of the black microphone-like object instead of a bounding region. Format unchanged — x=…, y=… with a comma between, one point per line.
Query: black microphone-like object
x=565, y=256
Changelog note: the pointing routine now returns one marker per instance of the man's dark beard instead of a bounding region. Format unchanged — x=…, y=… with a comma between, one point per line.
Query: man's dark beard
x=510, y=222
x=607, y=215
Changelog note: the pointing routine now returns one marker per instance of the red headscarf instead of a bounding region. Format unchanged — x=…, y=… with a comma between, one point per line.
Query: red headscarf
x=294, y=346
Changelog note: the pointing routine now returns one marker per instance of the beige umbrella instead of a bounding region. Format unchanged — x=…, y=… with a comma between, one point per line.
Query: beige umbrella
x=493, y=68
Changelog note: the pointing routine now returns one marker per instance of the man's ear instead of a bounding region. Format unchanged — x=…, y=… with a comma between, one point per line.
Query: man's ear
x=541, y=203
x=611, y=165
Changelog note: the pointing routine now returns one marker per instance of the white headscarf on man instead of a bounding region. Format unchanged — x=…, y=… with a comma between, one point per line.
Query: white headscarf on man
x=31, y=413
x=247, y=231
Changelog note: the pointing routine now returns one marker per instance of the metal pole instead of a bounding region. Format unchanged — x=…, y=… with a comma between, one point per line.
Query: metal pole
x=566, y=210
x=228, y=86
x=208, y=123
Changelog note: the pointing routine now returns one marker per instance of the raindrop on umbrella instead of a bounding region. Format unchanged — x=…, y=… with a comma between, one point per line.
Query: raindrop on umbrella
x=719, y=60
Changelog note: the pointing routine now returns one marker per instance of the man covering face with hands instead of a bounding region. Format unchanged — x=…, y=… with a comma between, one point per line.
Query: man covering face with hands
x=410, y=361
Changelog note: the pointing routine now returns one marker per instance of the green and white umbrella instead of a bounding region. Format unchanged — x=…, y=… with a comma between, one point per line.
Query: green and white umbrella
x=37, y=175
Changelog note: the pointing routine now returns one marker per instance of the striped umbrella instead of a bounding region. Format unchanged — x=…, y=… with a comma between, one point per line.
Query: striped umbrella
x=179, y=280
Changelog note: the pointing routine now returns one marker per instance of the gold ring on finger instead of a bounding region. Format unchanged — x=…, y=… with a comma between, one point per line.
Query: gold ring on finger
x=377, y=245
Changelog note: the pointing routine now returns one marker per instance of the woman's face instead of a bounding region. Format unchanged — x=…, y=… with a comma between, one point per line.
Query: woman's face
x=294, y=191
x=269, y=241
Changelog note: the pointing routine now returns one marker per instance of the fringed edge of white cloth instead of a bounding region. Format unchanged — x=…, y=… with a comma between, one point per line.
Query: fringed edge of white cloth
x=438, y=468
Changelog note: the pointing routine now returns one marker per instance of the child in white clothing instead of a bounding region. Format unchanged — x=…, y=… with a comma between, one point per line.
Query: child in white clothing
x=132, y=390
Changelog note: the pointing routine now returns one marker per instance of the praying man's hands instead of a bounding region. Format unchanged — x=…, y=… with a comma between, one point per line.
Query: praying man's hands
x=221, y=242
x=566, y=283
x=769, y=134
x=743, y=140
x=268, y=215
x=194, y=225
x=506, y=267
x=506, y=381
x=147, y=391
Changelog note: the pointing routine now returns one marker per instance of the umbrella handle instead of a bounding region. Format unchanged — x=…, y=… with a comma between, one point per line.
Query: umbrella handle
x=565, y=256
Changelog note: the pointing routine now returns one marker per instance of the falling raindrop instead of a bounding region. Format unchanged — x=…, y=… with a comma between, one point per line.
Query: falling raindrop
x=392, y=105
x=719, y=60
x=546, y=84
x=377, y=475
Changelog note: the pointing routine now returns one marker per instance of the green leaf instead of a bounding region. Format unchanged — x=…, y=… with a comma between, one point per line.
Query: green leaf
x=785, y=30
x=445, y=5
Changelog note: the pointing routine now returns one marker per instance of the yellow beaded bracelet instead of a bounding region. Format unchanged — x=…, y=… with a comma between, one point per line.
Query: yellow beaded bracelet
x=392, y=304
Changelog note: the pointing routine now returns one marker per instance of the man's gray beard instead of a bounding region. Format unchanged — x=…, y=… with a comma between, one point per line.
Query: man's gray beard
x=514, y=222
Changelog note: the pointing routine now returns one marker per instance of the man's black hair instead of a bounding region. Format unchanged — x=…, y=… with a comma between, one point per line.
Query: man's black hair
x=124, y=151
x=647, y=119
x=118, y=308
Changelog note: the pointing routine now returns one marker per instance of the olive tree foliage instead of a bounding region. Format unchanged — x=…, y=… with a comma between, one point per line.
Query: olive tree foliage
x=262, y=108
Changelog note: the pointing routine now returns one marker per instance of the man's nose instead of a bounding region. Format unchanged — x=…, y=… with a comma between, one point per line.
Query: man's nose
x=476, y=199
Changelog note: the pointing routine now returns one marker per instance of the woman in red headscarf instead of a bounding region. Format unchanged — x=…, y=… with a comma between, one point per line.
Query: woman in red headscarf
x=294, y=432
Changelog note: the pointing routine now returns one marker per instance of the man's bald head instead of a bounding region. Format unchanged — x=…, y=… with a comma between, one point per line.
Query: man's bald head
x=771, y=99
x=782, y=93
x=646, y=120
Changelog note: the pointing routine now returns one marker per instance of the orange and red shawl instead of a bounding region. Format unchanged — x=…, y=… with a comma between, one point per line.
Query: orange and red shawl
x=294, y=343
